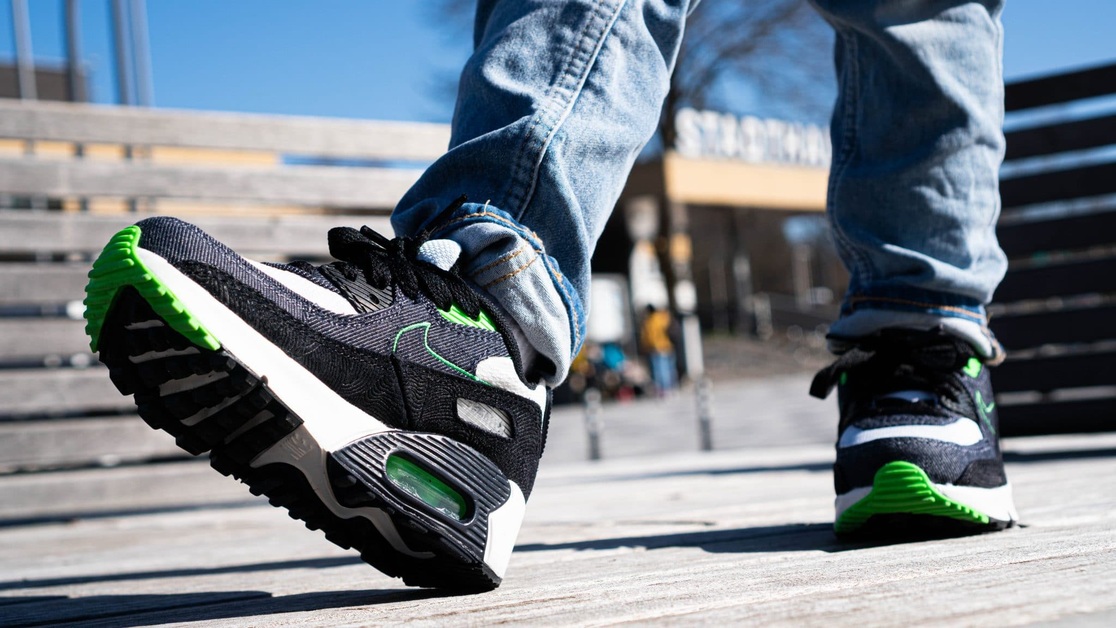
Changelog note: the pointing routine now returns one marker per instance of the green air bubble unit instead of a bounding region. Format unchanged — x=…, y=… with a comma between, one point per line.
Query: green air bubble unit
x=425, y=486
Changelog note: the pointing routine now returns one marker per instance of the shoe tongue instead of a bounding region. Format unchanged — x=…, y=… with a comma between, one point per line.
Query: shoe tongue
x=440, y=253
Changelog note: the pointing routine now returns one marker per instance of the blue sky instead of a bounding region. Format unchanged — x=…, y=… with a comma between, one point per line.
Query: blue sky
x=390, y=59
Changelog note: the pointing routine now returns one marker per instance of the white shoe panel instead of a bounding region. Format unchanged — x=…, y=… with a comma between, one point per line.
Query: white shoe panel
x=320, y=296
x=332, y=420
x=960, y=432
x=503, y=528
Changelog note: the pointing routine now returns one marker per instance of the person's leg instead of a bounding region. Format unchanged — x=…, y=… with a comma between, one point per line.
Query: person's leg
x=917, y=145
x=384, y=398
x=659, y=365
x=553, y=108
x=913, y=202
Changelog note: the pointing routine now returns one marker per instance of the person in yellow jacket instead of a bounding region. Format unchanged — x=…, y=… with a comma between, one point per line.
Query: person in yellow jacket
x=654, y=337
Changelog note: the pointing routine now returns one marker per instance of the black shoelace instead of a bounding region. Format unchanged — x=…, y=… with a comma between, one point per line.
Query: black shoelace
x=896, y=359
x=383, y=262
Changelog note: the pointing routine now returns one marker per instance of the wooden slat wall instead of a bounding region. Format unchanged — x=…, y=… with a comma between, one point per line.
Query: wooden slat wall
x=65, y=416
x=31, y=283
x=30, y=232
x=30, y=337
x=317, y=137
x=39, y=392
x=1056, y=306
x=31, y=445
x=316, y=186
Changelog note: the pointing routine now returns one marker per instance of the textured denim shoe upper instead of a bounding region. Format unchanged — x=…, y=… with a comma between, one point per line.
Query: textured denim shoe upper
x=915, y=396
x=391, y=327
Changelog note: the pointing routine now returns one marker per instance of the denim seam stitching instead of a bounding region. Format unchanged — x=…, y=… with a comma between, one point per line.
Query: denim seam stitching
x=513, y=273
x=557, y=279
x=489, y=266
x=847, y=148
x=522, y=170
x=556, y=104
x=582, y=77
x=964, y=313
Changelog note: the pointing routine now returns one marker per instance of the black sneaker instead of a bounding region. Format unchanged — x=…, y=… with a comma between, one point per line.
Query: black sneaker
x=380, y=398
x=917, y=450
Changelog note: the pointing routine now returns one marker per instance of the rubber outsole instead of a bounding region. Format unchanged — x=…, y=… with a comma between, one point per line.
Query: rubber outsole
x=184, y=383
x=904, y=502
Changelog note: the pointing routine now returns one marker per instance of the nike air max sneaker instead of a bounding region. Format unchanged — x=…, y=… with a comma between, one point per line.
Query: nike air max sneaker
x=379, y=398
x=917, y=450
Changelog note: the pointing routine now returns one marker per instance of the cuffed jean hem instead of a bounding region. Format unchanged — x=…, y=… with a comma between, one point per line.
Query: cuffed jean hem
x=863, y=316
x=509, y=262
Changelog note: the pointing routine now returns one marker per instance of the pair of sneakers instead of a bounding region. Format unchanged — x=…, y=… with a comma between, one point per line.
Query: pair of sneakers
x=383, y=399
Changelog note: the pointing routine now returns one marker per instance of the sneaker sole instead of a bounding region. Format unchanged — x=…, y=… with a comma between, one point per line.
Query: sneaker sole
x=903, y=492
x=418, y=506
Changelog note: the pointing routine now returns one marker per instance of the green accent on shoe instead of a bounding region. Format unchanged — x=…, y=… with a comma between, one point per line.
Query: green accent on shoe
x=456, y=315
x=984, y=409
x=973, y=367
x=425, y=327
x=902, y=487
x=426, y=487
x=119, y=266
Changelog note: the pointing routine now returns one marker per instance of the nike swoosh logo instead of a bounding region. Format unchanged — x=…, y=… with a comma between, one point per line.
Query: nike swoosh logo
x=425, y=327
x=984, y=409
x=960, y=432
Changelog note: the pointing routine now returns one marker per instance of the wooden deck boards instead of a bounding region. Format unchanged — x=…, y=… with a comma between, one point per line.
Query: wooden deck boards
x=740, y=535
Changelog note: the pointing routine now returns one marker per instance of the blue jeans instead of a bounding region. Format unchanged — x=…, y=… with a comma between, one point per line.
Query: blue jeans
x=662, y=371
x=560, y=96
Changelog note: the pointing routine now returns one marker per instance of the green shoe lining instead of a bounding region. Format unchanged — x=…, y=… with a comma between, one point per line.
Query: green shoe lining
x=119, y=266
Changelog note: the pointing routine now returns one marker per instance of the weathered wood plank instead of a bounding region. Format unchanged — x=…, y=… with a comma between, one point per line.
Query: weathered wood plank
x=31, y=232
x=359, y=139
x=316, y=186
x=1061, y=326
x=1021, y=239
x=730, y=538
x=1048, y=373
x=27, y=498
x=66, y=442
x=1058, y=279
x=1059, y=417
x=35, y=337
x=33, y=283
x=1062, y=137
x=1057, y=185
x=57, y=392
x=115, y=609
x=1060, y=87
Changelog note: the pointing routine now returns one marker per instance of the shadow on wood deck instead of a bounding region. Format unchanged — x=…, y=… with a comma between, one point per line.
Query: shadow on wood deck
x=738, y=535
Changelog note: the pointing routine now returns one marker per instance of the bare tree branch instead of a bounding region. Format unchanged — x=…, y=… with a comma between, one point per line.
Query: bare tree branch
x=778, y=51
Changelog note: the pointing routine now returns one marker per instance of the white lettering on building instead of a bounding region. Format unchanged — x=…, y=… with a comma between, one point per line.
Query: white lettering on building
x=709, y=134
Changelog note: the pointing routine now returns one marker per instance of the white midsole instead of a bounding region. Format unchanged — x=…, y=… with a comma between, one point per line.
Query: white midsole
x=299, y=450
x=333, y=421
x=997, y=503
x=329, y=421
x=503, y=528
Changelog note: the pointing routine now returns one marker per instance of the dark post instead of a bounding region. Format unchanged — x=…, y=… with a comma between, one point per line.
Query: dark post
x=120, y=32
x=704, y=393
x=593, y=422
x=25, y=61
x=141, y=54
x=75, y=75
